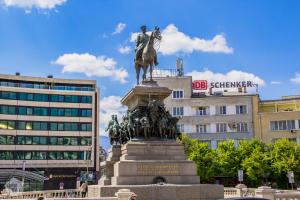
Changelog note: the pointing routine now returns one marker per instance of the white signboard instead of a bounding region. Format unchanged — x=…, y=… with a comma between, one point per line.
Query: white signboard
x=240, y=175
x=291, y=177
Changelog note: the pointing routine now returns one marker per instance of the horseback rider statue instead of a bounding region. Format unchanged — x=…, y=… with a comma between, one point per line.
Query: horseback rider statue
x=113, y=130
x=145, y=54
x=141, y=41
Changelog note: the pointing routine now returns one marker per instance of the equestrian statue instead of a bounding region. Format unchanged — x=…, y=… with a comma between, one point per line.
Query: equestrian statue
x=145, y=54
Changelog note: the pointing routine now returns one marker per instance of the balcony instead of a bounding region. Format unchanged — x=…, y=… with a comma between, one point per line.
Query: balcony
x=200, y=113
x=222, y=136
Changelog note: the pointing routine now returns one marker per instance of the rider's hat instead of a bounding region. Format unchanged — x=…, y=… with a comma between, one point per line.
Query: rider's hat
x=143, y=26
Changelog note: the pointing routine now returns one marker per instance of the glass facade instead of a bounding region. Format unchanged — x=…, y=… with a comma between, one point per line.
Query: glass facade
x=45, y=140
x=45, y=97
x=45, y=111
x=42, y=155
x=45, y=126
x=48, y=86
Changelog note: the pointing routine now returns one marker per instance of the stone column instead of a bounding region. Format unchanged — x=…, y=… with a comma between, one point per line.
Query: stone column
x=240, y=188
x=265, y=192
x=123, y=194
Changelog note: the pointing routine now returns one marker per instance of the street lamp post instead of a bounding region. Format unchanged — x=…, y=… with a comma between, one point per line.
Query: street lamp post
x=88, y=159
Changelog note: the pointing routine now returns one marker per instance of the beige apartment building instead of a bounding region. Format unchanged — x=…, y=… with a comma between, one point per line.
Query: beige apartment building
x=279, y=119
x=50, y=126
x=210, y=117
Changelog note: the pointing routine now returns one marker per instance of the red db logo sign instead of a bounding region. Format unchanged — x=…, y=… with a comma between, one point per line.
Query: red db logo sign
x=200, y=85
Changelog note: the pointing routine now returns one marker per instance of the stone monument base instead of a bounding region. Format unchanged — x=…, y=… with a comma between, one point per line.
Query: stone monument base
x=162, y=192
x=143, y=162
x=154, y=170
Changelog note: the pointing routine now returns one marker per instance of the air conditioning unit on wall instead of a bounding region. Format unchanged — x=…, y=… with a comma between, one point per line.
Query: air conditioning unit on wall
x=293, y=131
x=232, y=126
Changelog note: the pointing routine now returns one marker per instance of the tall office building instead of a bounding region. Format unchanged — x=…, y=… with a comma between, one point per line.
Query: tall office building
x=50, y=126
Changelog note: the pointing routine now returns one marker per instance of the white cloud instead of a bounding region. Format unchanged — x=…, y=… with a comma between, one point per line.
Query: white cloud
x=91, y=65
x=110, y=105
x=233, y=75
x=275, y=82
x=119, y=28
x=124, y=49
x=29, y=4
x=296, y=78
x=173, y=41
x=102, y=132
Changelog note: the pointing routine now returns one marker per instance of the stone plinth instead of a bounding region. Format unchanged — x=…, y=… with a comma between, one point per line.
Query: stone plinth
x=107, y=167
x=165, y=192
x=143, y=161
x=140, y=95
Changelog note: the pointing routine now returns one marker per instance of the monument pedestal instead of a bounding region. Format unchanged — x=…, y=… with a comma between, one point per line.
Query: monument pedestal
x=147, y=162
x=107, y=167
x=141, y=94
x=157, y=170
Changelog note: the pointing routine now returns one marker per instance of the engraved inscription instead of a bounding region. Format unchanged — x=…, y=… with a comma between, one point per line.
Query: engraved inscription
x=157, y=169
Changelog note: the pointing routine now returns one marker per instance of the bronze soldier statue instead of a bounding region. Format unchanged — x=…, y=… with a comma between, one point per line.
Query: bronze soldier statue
x=145, y=54
x=141, y=42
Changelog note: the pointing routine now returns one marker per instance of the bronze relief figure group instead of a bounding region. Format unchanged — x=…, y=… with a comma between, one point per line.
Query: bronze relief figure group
x=152, y=121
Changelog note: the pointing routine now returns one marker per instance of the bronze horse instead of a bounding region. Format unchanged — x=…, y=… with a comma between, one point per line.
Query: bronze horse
x=148, y=56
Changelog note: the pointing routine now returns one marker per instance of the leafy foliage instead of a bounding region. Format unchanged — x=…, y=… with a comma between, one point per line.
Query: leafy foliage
x=262, y=163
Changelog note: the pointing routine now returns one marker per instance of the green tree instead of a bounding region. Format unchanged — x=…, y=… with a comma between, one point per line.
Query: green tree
x=227, y=159
x=285, y=157
x=256, y=164
x=204, y=157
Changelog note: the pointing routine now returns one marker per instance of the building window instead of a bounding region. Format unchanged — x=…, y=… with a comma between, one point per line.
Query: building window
x=45, y=111
x=6, y=155
x=201, y=128
x=45, y=126
x=202, y=110
x=2, y=139
x=7, y=140
x=8, y=95
x=86, y=127
x=221, y=110
x=38, y=111
x=8, y=110
x=11, y=125
x=282, y=125
x=86, y=99
x=177, y=94
x=28, y=125
x=241, y=109
x=291, y=124
x=242, y=127
x=178, y=111
x=45, y=97
x=221, y=127
x=86, y=141
x=180, y=128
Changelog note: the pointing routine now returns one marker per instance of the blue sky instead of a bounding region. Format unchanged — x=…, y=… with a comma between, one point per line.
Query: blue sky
x=257, y=39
